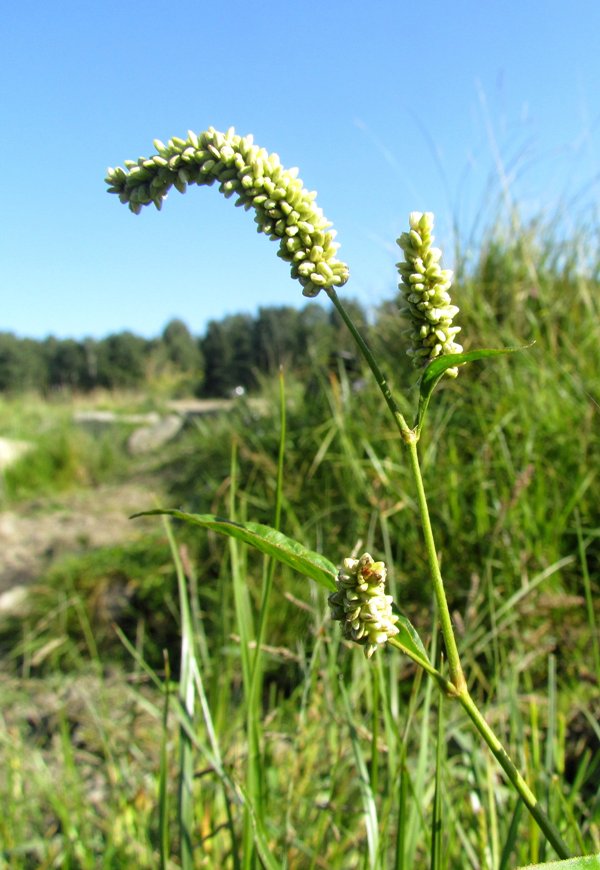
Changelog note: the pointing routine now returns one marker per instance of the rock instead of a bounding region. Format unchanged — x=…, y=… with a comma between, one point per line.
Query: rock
x=11, y=450
x=149, y=438
x=109, y=418
x=12, y=602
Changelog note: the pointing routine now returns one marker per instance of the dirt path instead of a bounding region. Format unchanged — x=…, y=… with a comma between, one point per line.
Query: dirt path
x=35, y=535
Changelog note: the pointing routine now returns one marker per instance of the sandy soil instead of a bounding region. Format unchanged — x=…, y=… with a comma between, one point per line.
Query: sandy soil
x=35, y=535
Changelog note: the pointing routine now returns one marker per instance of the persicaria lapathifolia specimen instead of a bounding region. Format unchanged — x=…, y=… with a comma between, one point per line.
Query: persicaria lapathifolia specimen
x=284, y=209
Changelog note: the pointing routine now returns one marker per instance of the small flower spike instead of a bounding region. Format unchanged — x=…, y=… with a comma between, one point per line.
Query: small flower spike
x=361, y=605
x=426, y=290
x=284, y=210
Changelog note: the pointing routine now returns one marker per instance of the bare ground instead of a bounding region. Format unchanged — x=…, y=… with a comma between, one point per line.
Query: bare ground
x=36, y=534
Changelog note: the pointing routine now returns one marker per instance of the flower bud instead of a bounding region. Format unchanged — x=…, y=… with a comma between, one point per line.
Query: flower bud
x=425, y=286
x=361, y=605
x=284, y=208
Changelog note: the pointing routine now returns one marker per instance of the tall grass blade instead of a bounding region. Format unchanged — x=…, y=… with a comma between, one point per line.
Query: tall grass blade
x=401, y=813
x=366, y=793
x=270, y=567
x=589, y=598
x=510, y=842
x=437, y=817
x=492, y=813
x=419, y=783
x=245, y=627
x=187, y=697
x=163, y=797
x=215, y=759
x=255, y=779
x=375, y=688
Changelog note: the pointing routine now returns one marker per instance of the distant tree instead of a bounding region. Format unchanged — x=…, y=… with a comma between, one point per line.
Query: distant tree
x=389, y=339
x=227, y=347
x=343, y=343
x=89, y=347
x=277, y=338
x=66, y=364
x=121, y=361
x=22, y=365
x=316, y=335
x=230, y=353
x=182, y=349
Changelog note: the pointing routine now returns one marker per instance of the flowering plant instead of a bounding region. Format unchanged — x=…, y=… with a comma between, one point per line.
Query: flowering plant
x=288, y=214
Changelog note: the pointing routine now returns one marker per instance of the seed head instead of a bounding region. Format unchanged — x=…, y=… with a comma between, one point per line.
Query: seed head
x=361, y=605
x=284, y=210
x=425, y=286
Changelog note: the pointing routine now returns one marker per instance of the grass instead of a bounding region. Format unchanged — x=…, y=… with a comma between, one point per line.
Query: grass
x=61, y=456
x=297, y=752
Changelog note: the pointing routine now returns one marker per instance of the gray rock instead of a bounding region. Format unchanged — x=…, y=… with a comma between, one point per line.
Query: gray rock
x=11, y=450
x=149, y=438
x=13, y=601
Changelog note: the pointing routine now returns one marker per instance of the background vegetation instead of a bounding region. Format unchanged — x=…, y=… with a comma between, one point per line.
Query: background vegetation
x=234, y=352
x=347, y=749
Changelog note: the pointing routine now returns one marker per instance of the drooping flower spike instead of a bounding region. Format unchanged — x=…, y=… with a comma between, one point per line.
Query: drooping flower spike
x=361, y=605
x=425, y=286
x=284, y=209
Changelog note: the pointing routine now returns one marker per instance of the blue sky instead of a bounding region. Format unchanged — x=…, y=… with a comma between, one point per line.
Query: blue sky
x=386, y=107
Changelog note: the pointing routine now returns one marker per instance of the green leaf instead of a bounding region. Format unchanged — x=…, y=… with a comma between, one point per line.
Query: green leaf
x=265, y=539
x=586, y=862
x=408, y=637
x=435, y=370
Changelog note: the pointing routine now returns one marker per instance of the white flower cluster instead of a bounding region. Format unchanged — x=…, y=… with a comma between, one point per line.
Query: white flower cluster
x=285, y=211
x=425, y=286
x=361, y=605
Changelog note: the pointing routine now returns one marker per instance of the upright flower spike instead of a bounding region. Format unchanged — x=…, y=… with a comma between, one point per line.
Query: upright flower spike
x=425, y=286
x=284, y=210
x=361, y=605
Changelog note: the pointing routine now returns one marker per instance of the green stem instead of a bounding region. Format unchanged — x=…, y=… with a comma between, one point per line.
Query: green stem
x=405, y=430
x=507, y=765
x=454, y=666
x=457, y=679
x=456, y=686
x=444, y=685
x=411, y=438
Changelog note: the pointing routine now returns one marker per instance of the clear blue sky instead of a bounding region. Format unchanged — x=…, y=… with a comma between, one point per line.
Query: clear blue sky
x=386, y=107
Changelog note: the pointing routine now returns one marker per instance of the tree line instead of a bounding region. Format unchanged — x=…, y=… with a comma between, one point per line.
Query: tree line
x=233, y=352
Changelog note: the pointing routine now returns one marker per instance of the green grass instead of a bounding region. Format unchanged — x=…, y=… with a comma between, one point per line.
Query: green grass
x=303, y=754
x=62, y=456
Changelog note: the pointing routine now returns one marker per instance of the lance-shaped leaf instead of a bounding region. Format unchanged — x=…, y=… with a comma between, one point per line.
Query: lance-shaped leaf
x=265, y=539
x=435, y=370
x=408, y=637
x=586, y=862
